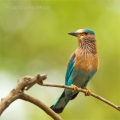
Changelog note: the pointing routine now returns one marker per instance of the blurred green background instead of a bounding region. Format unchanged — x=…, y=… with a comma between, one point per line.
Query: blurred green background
x=34, y=39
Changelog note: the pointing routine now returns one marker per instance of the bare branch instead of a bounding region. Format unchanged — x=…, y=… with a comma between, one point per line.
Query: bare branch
x=37, y=79
x=17, y=93
x=84, y=91
x=41, y=105
x=27, y=82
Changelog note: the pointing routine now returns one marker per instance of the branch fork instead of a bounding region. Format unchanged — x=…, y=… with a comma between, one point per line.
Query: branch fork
x=25, y=83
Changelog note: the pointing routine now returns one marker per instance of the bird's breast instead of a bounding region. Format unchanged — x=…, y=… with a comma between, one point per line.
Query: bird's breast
x=86, y=62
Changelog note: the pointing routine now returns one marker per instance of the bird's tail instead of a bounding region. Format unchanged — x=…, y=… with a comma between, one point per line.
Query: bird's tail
x=60, y=104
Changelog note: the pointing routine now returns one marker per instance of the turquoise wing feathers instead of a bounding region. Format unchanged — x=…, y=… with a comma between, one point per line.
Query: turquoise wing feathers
x=69, y=68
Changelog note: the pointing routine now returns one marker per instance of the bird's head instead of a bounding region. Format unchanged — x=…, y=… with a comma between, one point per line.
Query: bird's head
x=84, y=35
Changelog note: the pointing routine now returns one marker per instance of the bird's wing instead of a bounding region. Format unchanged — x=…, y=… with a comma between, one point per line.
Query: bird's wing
x=69, y=68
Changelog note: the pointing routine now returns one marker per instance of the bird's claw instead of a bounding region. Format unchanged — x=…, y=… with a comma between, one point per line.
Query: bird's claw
x=75, y=88
x=88, y=92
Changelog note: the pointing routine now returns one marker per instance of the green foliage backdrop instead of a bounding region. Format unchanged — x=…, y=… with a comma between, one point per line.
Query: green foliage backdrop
x=34, y=39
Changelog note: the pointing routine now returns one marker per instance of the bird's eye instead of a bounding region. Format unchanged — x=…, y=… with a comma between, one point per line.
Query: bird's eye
x=85, y=33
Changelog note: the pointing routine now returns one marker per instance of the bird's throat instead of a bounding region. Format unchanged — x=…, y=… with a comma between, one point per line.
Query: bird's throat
x=89, y=47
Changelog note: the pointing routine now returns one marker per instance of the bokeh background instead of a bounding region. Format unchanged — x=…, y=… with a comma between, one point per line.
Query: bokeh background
x=34, y=39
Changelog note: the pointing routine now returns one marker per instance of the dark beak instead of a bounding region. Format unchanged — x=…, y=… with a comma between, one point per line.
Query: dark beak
x=73, y=33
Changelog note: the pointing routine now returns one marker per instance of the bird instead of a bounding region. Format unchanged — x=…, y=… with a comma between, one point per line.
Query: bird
x=82, y=65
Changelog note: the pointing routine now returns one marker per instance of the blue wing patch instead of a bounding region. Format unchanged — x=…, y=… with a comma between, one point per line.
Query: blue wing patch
x=69, y=68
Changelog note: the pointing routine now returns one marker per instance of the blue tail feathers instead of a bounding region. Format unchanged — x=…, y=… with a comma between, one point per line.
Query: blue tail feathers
x=57, y=110
x=60, y=104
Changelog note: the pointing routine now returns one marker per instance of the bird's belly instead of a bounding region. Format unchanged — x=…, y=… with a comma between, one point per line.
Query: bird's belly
x=79, y=77
x=80, y=80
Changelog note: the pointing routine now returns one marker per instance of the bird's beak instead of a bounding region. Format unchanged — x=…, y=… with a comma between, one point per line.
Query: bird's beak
x=73, y=33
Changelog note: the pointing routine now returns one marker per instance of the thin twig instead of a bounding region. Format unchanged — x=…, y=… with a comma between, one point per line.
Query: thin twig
x=84, y=91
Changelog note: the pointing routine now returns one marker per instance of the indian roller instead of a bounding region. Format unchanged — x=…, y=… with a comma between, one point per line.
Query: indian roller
x=82, y=65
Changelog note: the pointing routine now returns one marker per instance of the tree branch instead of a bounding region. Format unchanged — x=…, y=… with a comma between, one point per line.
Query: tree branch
x=40, y=105
x=84, y=91
x=18, y=93
x=27, y=82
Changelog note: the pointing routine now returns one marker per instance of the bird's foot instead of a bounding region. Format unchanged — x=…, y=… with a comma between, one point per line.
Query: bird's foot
x=75, y=88
x=88, y=92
